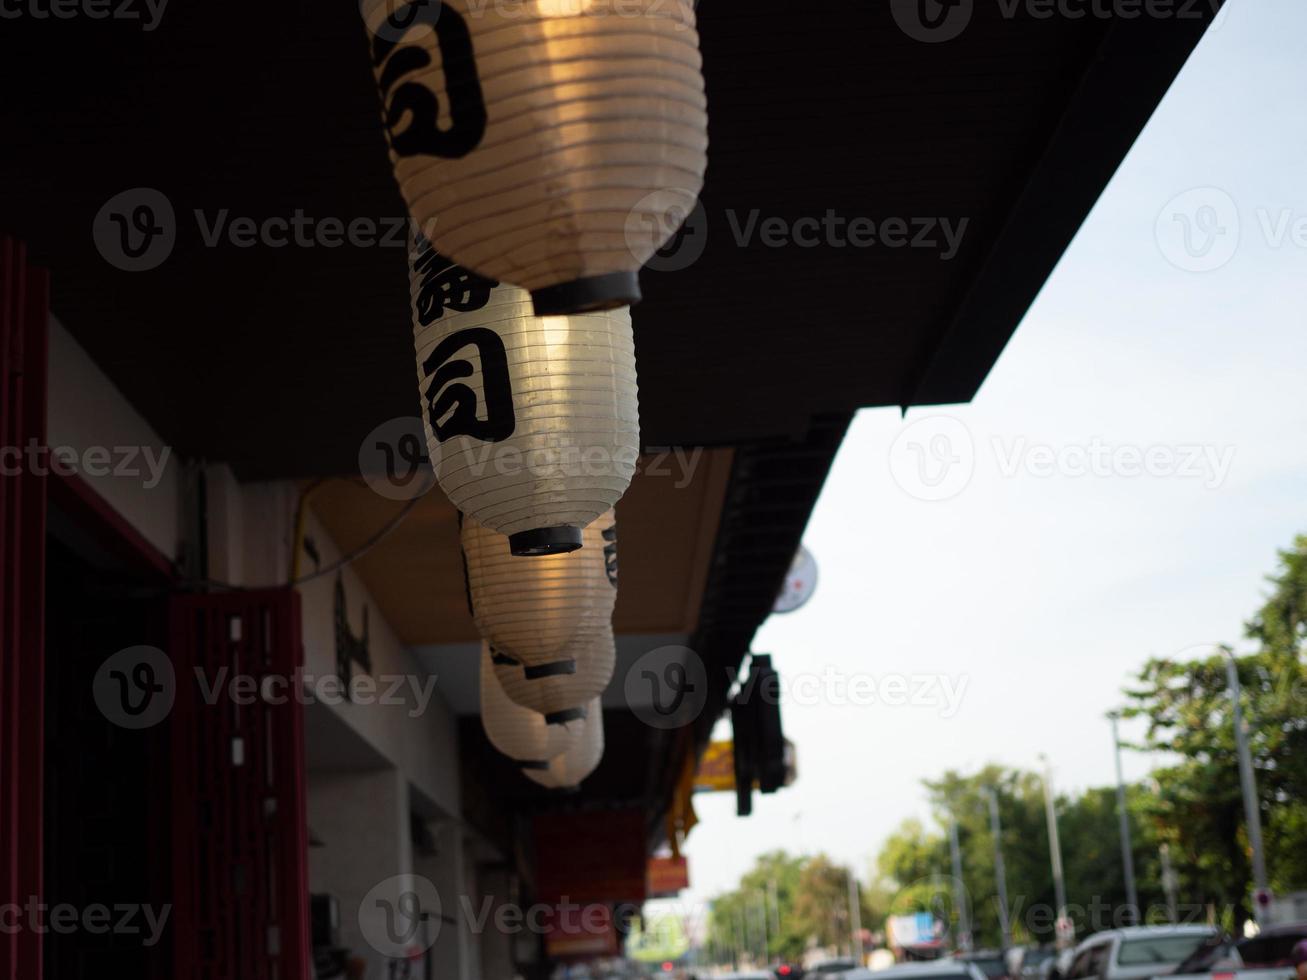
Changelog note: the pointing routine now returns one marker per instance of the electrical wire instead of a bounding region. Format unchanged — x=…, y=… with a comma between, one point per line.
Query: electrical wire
x=364, y=548
x=301, y=521
x=386, y=530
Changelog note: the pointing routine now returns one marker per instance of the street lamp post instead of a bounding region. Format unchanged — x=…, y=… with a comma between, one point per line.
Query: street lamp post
x=1000, y=870
x=775, y=907
x=1169, y=885
x=959, y=889
x=742, y=942
x=855, y=920
x=1055, y=849
x=1248, y=781
x=1127, y=850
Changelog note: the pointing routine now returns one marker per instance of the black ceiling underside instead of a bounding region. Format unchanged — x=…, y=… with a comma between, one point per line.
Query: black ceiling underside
x=282, y=360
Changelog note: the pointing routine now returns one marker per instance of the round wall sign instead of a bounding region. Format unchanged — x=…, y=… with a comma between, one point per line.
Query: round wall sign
x=800, y=583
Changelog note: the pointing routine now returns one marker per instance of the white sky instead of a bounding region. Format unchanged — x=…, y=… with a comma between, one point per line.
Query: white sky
x=1045, y=593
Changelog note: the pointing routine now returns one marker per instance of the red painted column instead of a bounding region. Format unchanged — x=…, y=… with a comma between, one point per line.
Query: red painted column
x=24, y=331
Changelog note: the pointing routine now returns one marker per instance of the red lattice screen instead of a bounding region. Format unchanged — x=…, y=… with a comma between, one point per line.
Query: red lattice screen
x=239, y=833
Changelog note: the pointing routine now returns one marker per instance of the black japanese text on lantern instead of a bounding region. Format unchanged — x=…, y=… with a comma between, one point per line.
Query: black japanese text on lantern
x=452, y=407
x=467, y=105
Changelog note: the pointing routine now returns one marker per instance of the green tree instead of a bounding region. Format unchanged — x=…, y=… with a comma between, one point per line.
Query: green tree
x=1279, y=698
x=1025, y=849
x=736, y=920
x=1198, y=806
x=911, y=854
x=917, y=860
x=805, y=901
x=821, y=907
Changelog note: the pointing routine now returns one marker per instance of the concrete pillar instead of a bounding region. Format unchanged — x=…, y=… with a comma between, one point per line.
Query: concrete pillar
x=362, y=818
x=495, y=947
x=456, y=954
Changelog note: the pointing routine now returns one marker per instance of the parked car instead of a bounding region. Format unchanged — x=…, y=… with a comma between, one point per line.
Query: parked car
x=1136, y=952
x=837, y=967
x=1266, y=956
x=942, y=969
x=1027, y=960
x=991, y=962
x=1057, y=966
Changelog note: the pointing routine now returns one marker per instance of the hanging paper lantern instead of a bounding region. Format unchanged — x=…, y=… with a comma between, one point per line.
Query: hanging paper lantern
x=569, y=769
x=532, y=611
x=520, y=733
x=532, y=423
x=554, y=144
x=561, y=690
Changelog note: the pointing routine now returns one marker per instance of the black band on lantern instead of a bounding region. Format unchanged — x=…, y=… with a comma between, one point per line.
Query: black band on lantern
x=559, y=668
x=588, y=295
x=545, y=541
x=503, y=659
x=534, y=766
x=565, y=717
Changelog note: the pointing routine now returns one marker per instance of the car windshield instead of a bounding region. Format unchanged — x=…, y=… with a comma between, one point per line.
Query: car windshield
x=1158, y=949
x=1212, y=951
x=1034, y=957
x=1270, y=951
x=990, y=966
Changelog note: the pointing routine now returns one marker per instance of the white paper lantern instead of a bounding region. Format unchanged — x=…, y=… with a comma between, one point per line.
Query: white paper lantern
x=520, y=733
x=553, y=144
x=533, y=610
x=569, y=769
x=532, y=423
x=561, y=690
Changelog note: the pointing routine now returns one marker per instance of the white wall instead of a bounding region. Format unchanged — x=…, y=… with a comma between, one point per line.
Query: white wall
x=251, y=527
x=421, y=739
x=113, y=448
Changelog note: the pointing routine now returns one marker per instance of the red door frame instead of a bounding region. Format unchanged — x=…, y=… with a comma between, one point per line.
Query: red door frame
x=262, y=824
x=24, y=319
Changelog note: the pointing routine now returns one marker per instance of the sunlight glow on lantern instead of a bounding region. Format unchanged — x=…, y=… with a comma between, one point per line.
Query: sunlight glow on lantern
x=532, y=423
x=533, y=611
x=553, y=144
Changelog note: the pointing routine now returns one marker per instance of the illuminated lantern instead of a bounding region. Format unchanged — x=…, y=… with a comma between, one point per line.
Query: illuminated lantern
x=553, y=144
x=532, y=423
x=520, y=733
x=569, y=769
x=560, y=690
x=533, y=611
